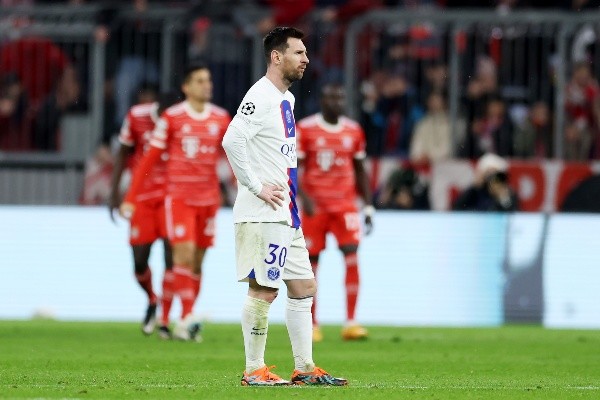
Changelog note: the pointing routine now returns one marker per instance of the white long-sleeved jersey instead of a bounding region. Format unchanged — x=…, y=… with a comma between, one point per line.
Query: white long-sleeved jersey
x=260, y=143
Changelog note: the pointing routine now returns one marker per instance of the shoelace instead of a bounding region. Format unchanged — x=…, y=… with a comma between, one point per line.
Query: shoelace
x=270, y=376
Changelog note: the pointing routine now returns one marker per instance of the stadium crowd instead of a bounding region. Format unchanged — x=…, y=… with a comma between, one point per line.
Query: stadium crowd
x=403, y=74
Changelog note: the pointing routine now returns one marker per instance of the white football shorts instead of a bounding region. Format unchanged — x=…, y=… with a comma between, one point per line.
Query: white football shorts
x=270, y=252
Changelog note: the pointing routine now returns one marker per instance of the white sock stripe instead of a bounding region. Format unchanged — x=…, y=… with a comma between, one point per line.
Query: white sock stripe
x=183, y=271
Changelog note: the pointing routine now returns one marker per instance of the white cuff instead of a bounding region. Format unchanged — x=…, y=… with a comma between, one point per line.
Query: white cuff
x=369, y=210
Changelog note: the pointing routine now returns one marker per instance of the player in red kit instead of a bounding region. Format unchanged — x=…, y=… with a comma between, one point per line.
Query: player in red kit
x=191, y=133
x=332, y=150
x=147, y=224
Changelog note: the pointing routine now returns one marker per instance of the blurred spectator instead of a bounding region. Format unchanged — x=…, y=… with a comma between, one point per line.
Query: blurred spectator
x=97, y=176
x=132, y=50
x=14, y=131
x=534, y=139
x=582, y=105
x=46, y=124
x=403, y=191
x=436, y=80
x=578, y=141
x=490, y=190
x=38, y=63
x=432, y=140
x=284, y=13
x=492, y=133
x=371, y=119
x=199, y=39
x=481, y=87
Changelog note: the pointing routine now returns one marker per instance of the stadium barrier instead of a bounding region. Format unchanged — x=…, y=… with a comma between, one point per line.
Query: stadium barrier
x=541, y=186
x=532, y=52
x=457, y=269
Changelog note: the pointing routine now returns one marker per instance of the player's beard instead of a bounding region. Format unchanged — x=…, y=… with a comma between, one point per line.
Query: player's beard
x=293, y=76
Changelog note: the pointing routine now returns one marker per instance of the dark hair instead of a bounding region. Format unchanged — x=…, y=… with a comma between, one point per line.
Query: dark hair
x=148, y=87
x=191, y=68
x=277, y=40
x=167, y=99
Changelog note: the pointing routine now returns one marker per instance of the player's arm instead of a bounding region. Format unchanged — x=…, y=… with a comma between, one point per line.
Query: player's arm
x=246, y=124
x=127, y=141
x=235, y=143
x=115, y=197
x=364, y=190
x=139, y=175
x=157, y=146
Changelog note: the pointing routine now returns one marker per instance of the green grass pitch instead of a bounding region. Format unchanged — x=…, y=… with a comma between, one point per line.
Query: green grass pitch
x=46, y=359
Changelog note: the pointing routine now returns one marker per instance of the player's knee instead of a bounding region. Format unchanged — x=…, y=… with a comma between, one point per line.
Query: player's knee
x=266, y=295
x=311, y=287
x=140, y=266
x=262, y=292
x=349, y=249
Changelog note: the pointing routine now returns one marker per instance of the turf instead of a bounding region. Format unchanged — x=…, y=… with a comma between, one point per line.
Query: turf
x=46, y=359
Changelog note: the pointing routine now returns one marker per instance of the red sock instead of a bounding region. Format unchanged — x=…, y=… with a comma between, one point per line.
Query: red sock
x=313, y=310
x=167, y=295
x=184, y=287
x=145, y=281
x=352, y=282
x=197, y=284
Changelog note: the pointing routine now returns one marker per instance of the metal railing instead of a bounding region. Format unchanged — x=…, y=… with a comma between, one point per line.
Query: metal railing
x=531, y=51
x=525, y=29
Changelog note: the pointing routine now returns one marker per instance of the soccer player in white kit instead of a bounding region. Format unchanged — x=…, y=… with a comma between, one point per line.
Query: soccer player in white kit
x=260, y=144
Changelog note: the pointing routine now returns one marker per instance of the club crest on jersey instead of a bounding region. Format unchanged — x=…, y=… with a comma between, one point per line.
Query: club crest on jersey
x=179, y=230
x=135, y=232
x=273, y=273
x=213, y=129
x=347, y=142
x=190, y=146
x=248, y=108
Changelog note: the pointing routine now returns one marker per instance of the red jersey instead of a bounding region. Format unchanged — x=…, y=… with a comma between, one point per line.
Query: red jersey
x=579, y=102
x=193, y=142
x=328, y=152
x=136, y=132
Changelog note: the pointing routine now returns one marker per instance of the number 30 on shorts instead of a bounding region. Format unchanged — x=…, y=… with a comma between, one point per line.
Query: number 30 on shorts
x=275, y=255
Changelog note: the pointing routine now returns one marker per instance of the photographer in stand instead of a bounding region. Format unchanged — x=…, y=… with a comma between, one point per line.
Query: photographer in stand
x=490, y=191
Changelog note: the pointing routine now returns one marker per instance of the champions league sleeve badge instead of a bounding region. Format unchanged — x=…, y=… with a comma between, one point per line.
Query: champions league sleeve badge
x=248, y=108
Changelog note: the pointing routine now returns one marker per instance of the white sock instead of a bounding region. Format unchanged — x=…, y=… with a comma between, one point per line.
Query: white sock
x=255, y=325
x=298, y=320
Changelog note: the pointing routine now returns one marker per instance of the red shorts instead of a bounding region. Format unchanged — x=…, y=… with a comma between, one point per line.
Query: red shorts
x=147, y=222
x=345, y=226
x=186, y=223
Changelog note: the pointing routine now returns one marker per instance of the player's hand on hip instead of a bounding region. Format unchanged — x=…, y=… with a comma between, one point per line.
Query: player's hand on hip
x=113, y=204
x=368, y=212
x=126, y=209
x=272, y=195
x=368, y=225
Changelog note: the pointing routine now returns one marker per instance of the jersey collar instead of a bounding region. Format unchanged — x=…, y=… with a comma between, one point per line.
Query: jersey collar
x=332, y=128
x=199, y=116
x=154, y=112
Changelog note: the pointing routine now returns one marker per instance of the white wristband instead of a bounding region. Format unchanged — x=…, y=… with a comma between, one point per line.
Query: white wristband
x=369, y=211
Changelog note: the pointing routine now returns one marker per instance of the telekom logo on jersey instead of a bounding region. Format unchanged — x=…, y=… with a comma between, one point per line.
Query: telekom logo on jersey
x=191, y=146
